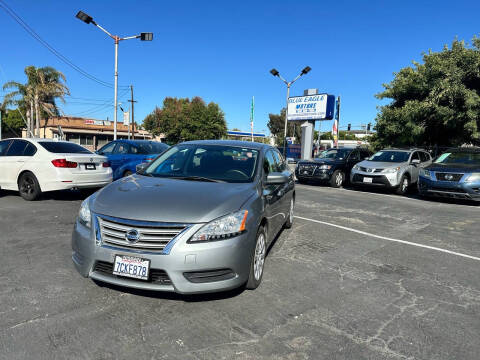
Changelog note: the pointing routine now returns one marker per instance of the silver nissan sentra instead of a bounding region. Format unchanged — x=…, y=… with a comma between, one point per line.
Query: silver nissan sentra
x=199, y=218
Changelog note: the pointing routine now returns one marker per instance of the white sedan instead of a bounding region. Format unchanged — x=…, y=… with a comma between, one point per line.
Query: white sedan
x=33, y=166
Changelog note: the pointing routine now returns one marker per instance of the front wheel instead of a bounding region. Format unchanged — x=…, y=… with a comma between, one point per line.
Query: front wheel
x=28, y=187
x=337, y=179
x=258, y=260
x=403, y=187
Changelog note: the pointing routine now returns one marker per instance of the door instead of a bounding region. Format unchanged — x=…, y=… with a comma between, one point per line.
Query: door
x=353, y=158
x=415, y=168
x=3, y=162
x=14, y=161
x=119, y=156
x=284, y=190
x=272, y=196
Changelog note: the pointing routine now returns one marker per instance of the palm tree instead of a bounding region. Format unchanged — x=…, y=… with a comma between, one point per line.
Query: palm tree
x=44, y=85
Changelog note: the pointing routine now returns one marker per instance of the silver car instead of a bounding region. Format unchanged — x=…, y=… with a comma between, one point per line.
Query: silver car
x=199, y=218
x=391, y=168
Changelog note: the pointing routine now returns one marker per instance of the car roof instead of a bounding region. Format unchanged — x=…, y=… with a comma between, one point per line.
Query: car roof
x=133, y=142
x=403, y=149
x=236, y=143
x=36, y=140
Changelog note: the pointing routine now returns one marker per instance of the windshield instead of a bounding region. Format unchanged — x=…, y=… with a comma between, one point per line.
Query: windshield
x=64, y=147
x=152, y=147
x=390, y=156
x=459, y=158
x=334, y=154
x=215, y=162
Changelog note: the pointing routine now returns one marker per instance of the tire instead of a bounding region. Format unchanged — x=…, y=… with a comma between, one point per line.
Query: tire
x=301, y=181
x=28, y=187
x=289, y=222
x=337, y=179
x=127, y=173
x=404, y=185
x=256, y=267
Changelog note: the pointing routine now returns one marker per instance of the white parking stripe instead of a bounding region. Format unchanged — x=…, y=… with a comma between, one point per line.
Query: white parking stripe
x=391, y=239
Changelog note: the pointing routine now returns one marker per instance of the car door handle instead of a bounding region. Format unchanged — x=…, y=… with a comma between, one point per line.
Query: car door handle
x=20, y=161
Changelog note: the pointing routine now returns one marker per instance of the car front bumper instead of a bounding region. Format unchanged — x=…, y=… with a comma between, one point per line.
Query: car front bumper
x=378, y=180
x=448, y=189
x=187, y=269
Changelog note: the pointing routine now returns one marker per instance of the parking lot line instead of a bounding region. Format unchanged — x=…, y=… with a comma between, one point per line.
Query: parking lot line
x=391, y=239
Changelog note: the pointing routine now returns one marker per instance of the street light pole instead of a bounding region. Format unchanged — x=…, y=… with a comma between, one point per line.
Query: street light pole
x=142, y=36
x=275, y=72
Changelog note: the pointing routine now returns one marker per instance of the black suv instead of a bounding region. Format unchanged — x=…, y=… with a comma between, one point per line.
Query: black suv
x=332, y=166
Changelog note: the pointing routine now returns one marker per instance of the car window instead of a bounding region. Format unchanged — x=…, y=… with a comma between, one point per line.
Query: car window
x=197, y=161
x=134, y=150
x=121, y=148
x=424, y=156
x=107, y=149
x=63, y=147
x=152, y=147
x=30, y=150
x=415, y=156
x=4, y=146
x=269, y=164
x=281, y=166
x=365, y=154
x=354, y=155
x=17, y=148
x=390, y=156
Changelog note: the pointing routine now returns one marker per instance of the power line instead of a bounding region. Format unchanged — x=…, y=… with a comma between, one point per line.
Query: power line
x=37, y=37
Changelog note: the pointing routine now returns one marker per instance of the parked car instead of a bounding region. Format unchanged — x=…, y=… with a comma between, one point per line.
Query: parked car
x=454, y=174
x=199, y=218
x=332, y=166
x=33, y=166
x=391, y=168
x=125, y=155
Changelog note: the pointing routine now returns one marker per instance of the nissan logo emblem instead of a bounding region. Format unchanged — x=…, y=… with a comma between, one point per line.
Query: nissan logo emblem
x=132, y=236
x=449, y=177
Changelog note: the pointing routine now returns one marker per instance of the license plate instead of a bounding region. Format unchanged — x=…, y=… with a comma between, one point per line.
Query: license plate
x=131, y=266
x=90, y=167
x=367, y=180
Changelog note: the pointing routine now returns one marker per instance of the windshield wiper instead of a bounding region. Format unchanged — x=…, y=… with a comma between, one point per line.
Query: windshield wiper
x=196, y=178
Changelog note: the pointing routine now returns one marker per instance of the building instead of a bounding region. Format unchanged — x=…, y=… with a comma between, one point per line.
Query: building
x=90, y=133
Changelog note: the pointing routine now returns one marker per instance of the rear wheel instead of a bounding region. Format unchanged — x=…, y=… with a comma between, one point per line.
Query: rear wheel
x=28, y=187
x=403, y=187
x=289, y=222
x=127, y=173
x=258, y=260
x=337, y=179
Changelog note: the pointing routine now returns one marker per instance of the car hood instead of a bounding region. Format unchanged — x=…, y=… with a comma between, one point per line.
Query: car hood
x=379, y=164
x=455, y=168
x=170, y=200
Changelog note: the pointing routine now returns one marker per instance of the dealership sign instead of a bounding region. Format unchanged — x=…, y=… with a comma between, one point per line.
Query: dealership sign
x=311, y=107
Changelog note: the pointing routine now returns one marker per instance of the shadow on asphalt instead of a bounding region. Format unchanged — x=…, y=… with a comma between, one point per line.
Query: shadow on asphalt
x=62, y=195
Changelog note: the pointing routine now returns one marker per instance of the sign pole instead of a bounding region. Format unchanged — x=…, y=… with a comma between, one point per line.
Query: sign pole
x=286, y=117
x=252, y=110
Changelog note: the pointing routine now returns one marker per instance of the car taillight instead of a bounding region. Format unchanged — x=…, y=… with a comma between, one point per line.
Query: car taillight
x=62, y=163
x=106, y=164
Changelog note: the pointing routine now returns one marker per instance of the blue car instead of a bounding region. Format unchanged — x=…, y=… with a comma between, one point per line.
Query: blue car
x=125, y=155
x=454, y=174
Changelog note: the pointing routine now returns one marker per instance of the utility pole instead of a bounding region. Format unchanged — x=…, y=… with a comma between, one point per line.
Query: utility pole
x=131, y=101
x=252, y=115
x=1, y=112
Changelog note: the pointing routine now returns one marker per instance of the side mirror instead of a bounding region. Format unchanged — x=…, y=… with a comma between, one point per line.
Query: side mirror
x=140, y=168
x=276, y=178
x=99, y=152
x=415, y=162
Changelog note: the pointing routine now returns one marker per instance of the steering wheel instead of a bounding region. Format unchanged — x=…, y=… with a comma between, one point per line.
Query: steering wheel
x=237, y=174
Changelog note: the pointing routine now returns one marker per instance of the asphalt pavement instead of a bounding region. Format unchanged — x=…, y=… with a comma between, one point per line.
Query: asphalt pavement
x=359, y=276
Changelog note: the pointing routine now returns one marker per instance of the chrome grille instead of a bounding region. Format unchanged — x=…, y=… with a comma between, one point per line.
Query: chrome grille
x=152, y=238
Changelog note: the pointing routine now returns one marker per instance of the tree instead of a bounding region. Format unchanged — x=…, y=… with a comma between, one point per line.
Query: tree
x=185, y=119
x=276, y=125
x=37, y=97
x=12, y=123
x=433, y=103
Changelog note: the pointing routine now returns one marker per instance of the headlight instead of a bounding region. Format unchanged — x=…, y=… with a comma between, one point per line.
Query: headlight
x=356, y=167
x=474, y=177
x=425, y=173
x=391, y=170
x=325, y=167
x=84, y=215
x=225, y=227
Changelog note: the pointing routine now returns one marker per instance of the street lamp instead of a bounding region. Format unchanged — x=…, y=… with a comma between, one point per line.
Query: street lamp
x=275, y=72
x=142, y=36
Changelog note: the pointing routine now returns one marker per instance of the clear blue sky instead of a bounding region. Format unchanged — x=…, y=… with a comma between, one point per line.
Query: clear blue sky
x=222, y=51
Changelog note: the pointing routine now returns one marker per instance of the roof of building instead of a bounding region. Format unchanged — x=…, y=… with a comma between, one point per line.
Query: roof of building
x=71, y=122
